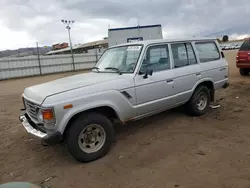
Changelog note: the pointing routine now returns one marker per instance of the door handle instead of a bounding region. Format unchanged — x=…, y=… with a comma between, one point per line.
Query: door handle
x=169, y=81
x=198, y=74
x=222, y=69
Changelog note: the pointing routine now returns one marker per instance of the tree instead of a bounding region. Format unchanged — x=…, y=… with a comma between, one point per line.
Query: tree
x=225, y=38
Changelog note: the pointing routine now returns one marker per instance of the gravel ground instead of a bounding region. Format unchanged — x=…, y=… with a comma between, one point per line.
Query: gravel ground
x=167, y=150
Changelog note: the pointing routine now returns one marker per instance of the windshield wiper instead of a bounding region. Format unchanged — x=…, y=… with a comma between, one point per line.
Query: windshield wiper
x=97, y=68
x=113, y=68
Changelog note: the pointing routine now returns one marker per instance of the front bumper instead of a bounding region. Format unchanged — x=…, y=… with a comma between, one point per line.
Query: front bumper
x=47, y=139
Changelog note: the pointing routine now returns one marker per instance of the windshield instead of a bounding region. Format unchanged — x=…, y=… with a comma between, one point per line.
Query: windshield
x=120, y=59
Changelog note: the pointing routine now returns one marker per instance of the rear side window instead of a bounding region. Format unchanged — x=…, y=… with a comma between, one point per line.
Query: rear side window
x=183, y=54
x=245, y=46
x=207, y=51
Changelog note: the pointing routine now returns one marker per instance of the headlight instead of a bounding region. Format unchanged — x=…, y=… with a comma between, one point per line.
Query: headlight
x=46, y=116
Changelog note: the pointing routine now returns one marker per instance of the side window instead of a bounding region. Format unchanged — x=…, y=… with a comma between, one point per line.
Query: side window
x=207, y=51
x=183, y=54
x=191, y=57
x=156, y=58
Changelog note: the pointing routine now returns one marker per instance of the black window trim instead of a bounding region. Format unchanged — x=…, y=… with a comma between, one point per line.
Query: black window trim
x=193, y=53
x=206, y=42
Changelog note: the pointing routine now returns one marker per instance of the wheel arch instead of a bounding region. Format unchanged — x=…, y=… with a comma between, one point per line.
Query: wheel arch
x=104, y=110
x=209, y=84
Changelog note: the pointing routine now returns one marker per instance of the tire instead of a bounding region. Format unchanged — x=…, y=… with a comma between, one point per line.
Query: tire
x=81, y=137
x=244, y=72
x=192, y=107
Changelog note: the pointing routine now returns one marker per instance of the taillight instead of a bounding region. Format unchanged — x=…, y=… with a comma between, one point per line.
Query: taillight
x=237, y=57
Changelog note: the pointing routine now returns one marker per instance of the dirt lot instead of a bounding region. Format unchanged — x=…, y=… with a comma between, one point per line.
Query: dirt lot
x=168, y=150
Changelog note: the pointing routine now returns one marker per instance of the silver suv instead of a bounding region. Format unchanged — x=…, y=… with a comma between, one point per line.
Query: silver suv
x=129, y=82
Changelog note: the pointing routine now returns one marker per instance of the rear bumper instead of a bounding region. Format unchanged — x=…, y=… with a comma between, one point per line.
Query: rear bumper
x=47, y=139
x=243, y=65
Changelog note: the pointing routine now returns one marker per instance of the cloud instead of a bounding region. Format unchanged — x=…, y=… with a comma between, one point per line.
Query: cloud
x=17, y=40
x=238, y=36
x=28, y=21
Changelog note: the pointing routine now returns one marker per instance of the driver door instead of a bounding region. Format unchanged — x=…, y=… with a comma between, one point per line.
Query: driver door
x=154, y=92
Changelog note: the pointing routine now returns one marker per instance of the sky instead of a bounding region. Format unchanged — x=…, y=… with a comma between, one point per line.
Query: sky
x=25, y=22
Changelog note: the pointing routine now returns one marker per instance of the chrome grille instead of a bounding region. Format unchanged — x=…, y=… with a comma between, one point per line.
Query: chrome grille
x=31, y=109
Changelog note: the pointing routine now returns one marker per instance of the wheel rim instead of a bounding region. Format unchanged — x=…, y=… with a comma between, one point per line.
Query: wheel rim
x=92, y=138
x=201, y=101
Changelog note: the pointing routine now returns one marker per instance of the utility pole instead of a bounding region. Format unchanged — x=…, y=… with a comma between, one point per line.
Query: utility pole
x=38, y=57
x=68, y=23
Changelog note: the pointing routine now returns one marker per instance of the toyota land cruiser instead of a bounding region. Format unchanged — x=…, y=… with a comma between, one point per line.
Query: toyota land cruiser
x=129, y=82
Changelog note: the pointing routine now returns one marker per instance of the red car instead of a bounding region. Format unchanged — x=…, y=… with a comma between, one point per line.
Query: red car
x=243, y=58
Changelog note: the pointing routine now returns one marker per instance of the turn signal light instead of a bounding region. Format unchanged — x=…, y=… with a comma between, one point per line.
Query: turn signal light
x=48, y=114
x=68, y=106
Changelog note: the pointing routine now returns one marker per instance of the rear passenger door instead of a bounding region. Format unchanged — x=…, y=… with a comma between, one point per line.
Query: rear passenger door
x=186, y=70
x=213, y=66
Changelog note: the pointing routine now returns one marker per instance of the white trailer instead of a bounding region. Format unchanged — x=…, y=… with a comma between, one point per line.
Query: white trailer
x=130, y=34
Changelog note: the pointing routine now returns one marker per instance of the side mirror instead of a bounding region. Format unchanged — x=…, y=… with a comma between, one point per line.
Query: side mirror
x=148, y=72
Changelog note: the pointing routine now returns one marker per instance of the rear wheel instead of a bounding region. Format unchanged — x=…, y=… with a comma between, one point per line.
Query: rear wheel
x=199, y=102
x=244, y=72
x=90, y=137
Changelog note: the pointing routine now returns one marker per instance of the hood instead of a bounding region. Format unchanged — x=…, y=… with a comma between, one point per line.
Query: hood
x=39, y=92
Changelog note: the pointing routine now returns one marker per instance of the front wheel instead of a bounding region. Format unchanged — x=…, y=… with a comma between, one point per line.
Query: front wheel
x=90, y=137
x=199, y=102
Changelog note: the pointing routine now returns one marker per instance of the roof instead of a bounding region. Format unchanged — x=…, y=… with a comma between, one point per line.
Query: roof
x=94, y=43
x=89, y=44
x=147, y=42
x=137, y=27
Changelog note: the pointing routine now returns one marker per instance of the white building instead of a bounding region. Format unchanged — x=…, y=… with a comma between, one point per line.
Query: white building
x=129, y=34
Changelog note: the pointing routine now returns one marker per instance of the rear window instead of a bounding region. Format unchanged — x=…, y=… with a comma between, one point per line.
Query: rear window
x=207, y=51
x=245, y=46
